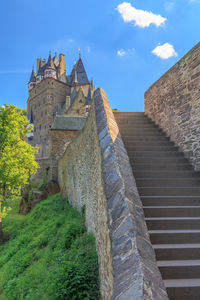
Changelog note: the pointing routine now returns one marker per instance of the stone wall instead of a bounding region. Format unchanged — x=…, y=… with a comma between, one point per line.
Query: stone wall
x=60, y=140
x=44, y=101
x=44, y=163
x=173, y=102
x=95, y=171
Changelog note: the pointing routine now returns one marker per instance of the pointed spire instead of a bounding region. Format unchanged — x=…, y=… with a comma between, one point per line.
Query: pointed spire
x=32, y=78
x=40, y=70
x=81, y=73
x=92, y=85
x=50, y=64
x=75, y=79
x=79, y=49
x=89, y=97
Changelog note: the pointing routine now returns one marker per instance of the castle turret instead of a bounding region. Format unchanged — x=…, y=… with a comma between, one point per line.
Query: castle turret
x=32, y=81
x=50, y=70
x=40, y=74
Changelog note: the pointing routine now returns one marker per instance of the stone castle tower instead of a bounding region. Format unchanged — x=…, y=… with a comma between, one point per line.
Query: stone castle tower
x=57, y=106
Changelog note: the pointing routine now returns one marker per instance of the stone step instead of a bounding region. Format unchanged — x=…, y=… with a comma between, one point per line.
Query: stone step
x=183, y=289
x=165, y=174
x=129, y=113
x=171, y=211
x=149, y=143
x=171, y=200
x=157, y=160
x=169, y=191
x=140, y=131
x=137, y=126
x=161, y=167
x=169, y=182
x=177, y=251
x=152, y=148
x=182, y=269
x=137, y=122
x=172, y=223
x=175, y=236
x=137, y=138
x=154, y=154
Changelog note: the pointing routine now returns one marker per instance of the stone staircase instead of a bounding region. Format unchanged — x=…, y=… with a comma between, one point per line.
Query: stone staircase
x=170, y=192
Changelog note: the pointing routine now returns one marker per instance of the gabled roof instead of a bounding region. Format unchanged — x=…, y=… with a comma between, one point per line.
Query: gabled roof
x=81, y=73
x=32, y=78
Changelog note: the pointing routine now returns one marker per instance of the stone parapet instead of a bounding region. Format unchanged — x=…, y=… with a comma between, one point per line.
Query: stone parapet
x=95, y=171
x=172, y=102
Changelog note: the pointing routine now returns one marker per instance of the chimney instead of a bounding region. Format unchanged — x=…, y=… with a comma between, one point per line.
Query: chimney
x=62, y=66
x=38, y=63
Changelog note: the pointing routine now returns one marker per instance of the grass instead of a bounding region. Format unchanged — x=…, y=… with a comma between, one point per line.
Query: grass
x=49, y=255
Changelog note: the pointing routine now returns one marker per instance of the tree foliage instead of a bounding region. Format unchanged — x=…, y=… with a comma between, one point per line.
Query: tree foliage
x=17, y=157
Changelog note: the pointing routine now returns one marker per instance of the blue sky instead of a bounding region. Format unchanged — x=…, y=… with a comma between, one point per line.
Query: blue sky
x=116, y=40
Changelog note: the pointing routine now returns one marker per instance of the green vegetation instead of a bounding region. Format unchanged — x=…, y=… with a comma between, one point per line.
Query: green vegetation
x=17, y=157
x=115, y=109
x=49, y=255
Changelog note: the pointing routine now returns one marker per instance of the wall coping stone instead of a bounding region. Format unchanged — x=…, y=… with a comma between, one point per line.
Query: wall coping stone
x=135, y=273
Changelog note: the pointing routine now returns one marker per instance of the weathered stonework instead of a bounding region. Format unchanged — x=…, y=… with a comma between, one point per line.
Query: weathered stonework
x=95, y=171
x=57, y=107
x=173, y=102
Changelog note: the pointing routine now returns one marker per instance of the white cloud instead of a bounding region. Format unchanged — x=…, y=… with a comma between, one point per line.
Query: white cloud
x=169, y=6
x=121, y=52
x=88, y=49
x=142, y=18
x=165, y=51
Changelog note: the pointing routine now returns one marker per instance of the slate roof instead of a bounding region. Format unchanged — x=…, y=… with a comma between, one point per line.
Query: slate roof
x=55, y=60
x=32, y=78
x=50, y=63
x=81, y=74
x=68, y=123
x=40, y=69
x=89, y=97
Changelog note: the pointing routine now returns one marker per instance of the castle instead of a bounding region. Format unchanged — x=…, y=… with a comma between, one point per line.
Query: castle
x=57, y=106
x=130, y=170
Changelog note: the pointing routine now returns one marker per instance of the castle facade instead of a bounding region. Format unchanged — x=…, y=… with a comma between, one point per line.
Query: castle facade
x=57, y=106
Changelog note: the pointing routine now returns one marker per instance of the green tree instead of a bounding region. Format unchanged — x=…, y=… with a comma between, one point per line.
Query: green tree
x=17, y=157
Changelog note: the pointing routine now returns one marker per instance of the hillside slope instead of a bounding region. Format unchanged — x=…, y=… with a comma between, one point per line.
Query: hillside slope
x=49, y=255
